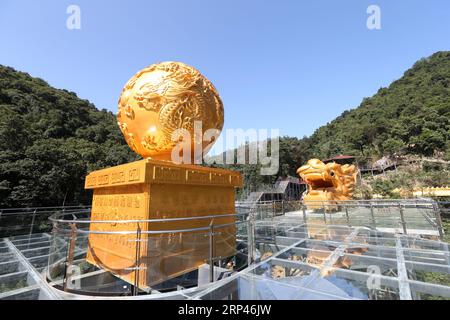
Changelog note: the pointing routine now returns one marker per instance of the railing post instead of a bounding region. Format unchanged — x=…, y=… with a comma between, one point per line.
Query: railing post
x=249, y=240
x=372, y=216
x=274, y=209
x=32, y=223
x=346, y=215
x=324, y=213
x=211, y=252
x=138, y=261
x=437, y=215
x=70, y=254
x=304, y=213
x=402, y=217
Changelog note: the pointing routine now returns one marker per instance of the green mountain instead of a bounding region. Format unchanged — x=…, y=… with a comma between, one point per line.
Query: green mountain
x=411, y=116
x=49, y=140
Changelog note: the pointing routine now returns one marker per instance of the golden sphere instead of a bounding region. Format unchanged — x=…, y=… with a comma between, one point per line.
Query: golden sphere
x=162, y=98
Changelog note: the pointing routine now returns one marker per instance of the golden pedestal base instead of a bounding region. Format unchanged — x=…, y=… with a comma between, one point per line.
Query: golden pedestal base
x=151, y=189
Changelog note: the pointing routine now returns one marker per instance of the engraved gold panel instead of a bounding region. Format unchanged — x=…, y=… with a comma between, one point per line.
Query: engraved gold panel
x=159, y=190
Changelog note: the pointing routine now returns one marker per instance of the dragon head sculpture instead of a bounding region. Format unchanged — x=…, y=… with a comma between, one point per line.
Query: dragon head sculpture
x=327, y=182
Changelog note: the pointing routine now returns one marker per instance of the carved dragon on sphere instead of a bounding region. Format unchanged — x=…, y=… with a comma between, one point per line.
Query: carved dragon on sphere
x=163, y=98
x=327, y=182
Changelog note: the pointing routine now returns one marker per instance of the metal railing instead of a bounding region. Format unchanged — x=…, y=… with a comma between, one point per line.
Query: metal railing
x=420, y=216
x=76, y=238
x=71, y=270
x=21, y=221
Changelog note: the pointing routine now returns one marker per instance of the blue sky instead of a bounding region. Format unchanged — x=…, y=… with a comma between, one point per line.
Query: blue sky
x=292, y=65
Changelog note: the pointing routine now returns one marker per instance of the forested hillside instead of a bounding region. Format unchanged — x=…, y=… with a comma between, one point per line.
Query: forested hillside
x=412, y=115
x=49, y=140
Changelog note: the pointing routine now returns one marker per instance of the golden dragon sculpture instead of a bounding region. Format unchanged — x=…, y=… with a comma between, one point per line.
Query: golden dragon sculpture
x=329, y=182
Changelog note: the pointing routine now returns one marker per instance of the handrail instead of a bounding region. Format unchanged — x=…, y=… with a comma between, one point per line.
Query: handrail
x=26, y=210
x=57, y=222
x=24, y=218
x=40, y=212
x=148, y=220
x=54, y=207
x=158, y=231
